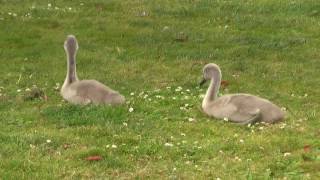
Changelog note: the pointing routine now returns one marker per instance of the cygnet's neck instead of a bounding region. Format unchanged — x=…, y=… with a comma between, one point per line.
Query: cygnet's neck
x=212, y=92
x=71, y=69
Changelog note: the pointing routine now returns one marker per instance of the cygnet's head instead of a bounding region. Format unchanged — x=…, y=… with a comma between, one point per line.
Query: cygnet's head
x=210, y=71
x=71, y=45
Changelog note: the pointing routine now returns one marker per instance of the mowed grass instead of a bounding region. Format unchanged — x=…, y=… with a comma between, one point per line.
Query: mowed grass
x=153, y=53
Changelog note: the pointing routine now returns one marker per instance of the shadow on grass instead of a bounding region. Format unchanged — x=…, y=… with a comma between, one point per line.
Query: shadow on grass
x=71, y=115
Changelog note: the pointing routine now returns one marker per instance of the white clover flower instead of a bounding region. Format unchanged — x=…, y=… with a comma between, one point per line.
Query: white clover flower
x=145, y=96
x=28, y=90
x=183, y=134
x=9, y=13
x=282, y=126
x=237, y=158
x=143, y=13
x=81, y=4
x=18, y=90
x=191, y=119
x=286, y=154
x=168, y=144
x=186, y=105
x=241, y=141
x=48, y=141
x=225, y=119
x=188, y=90
x=261, y=128
x=125, y=124
x=131, y=109
x=165, y=28
x=235, y=75
x=114, y=146
x=132, y=94
x=179, y=88
x=174, y=98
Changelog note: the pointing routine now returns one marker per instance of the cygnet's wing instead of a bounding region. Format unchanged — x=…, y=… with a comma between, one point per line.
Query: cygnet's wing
x=239, y=108
x=97, y=92
x=248, y=108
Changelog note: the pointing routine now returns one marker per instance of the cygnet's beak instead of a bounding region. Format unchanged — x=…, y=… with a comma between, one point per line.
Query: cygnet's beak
x=202, y=82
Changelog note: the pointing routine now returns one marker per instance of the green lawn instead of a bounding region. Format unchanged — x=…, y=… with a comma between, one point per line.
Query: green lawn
x=153, y=53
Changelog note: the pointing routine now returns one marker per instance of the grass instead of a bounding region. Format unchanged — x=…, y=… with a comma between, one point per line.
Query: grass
x=269, y=48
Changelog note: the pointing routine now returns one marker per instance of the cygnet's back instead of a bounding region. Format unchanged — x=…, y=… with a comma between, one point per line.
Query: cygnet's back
x=242, y=104
x=97, y=92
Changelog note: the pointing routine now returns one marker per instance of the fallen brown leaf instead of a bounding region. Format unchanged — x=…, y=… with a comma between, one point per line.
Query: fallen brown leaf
x=66, y=146
x=306, y=148
x=224, y=83
x=94, y=158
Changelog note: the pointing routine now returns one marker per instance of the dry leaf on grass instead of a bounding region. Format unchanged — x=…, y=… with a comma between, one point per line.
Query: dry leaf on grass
x=94, y=158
